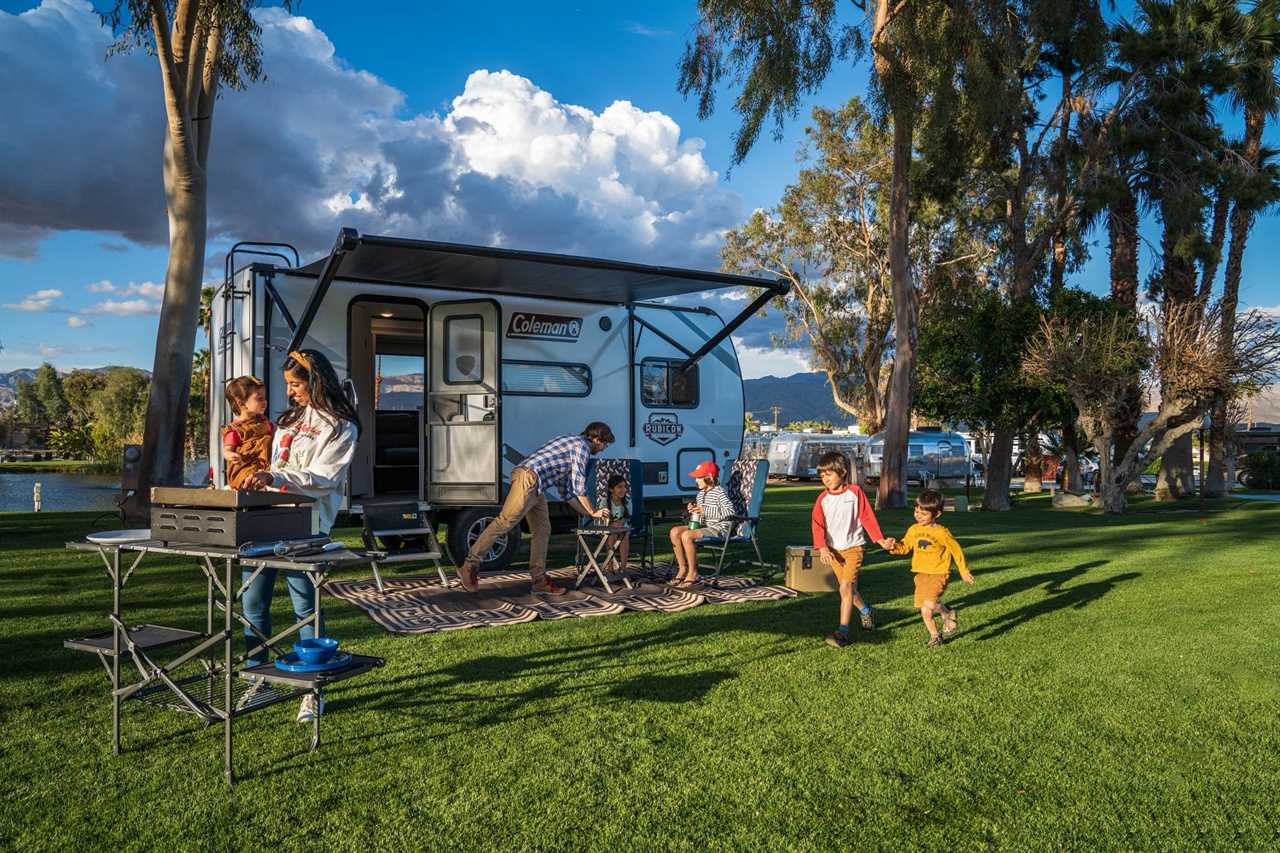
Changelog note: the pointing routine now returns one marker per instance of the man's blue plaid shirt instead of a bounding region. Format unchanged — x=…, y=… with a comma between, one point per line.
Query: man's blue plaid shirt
x=562, y=463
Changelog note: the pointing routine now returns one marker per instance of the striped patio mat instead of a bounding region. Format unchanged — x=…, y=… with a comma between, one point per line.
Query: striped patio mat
x=420, y=605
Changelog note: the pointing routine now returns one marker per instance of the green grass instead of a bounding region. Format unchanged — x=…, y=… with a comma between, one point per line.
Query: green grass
x=70, y=466
x=1115, y=687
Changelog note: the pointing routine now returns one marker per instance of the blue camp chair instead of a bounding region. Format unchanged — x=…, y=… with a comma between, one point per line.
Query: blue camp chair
x=745, y=487
x=640, y=524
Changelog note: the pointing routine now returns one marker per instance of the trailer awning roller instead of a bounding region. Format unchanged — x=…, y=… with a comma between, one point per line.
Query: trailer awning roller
x=484, y=269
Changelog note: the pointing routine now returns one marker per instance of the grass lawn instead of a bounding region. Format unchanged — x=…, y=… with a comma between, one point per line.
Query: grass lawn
x=1116, y=686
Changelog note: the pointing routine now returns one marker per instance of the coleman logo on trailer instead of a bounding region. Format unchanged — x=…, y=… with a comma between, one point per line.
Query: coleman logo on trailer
x=663, y=428
x=550, y=327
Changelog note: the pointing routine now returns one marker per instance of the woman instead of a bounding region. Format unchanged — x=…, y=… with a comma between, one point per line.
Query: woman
x=314, y=443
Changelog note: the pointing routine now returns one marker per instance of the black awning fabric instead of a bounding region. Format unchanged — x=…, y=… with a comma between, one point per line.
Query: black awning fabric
x=483, y=269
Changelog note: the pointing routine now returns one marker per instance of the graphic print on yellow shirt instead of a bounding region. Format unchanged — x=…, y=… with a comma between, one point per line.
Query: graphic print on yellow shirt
x=932, y=549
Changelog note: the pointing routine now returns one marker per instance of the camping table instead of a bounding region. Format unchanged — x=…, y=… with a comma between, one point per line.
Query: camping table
x=603, y=552
x=241, y=692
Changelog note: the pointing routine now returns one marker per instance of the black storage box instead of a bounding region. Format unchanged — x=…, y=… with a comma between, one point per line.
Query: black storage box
x=226, y=518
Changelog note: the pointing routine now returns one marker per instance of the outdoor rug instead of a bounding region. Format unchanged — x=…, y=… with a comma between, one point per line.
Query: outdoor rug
x=420, y=605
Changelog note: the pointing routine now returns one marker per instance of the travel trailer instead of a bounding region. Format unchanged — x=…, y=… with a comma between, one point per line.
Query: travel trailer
x=756, y=445
x=930, y=453
x=794, y=455
x=461, y=360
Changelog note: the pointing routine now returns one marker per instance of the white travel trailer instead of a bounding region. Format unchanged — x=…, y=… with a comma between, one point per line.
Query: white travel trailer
x=932, y=453
x=462, y=360
x=794, y=455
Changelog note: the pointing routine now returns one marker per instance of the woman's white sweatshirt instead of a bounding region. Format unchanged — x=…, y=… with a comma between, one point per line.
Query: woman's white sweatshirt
x=311, y=457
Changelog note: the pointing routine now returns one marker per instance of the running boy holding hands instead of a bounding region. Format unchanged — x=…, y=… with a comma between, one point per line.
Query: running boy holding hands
x=843, y=522
x=932, y=548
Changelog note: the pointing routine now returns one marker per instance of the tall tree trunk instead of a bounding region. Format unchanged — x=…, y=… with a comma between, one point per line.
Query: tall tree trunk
x=1122, y=232
x=1217, y=482
x=1032, y=463
x=892, y=491
x=1072, y=480
x=1177, y=465
x=1058, y=260
x=999, y=471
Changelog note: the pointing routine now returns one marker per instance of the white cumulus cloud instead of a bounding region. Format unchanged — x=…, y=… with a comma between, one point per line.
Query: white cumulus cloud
x=36, y=302
x=125, y=307
x=320, y=145
x=77, y=322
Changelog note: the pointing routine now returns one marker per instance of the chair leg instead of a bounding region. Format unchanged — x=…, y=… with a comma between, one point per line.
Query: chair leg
x=377, y=577
x=766, y=568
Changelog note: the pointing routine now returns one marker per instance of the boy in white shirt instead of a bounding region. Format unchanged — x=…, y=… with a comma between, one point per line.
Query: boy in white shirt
x=843, y=522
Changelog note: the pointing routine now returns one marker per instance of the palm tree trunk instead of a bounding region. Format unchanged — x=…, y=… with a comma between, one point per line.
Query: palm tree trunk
x=893, y=469
x=1033, y=463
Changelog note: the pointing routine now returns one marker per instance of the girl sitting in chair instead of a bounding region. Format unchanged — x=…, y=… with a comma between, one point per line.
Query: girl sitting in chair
x=620, y=518
x=709, y=515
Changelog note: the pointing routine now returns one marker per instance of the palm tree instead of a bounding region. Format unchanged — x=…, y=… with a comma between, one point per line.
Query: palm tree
x=1257, y=93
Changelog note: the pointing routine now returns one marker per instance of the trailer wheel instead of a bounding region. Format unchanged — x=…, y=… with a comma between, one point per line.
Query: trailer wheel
x=465, y=527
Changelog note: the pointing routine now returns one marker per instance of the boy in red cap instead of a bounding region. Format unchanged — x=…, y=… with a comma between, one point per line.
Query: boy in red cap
x=710, y=510
x=843, y=522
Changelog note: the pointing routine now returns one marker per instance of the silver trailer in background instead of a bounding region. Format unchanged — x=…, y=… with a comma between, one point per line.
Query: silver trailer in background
x=794, y=455
x=930, y=454
x=755, y=445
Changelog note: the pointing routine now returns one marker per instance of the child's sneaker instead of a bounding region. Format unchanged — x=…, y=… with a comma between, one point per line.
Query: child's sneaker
x=934, y=642
x=950, y=627
x=867, y=623
x=838, y=639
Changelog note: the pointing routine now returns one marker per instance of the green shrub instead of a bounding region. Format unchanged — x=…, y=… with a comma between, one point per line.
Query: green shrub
x=1262, y=469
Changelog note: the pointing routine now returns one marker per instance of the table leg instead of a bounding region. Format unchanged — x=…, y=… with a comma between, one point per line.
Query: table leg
x=227, y=675
x=115, y=652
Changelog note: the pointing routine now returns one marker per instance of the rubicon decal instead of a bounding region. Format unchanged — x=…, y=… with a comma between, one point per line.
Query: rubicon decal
x=547, y=327
x=663, y=427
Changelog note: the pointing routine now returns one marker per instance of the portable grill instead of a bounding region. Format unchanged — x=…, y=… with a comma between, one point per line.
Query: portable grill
x=227, y=518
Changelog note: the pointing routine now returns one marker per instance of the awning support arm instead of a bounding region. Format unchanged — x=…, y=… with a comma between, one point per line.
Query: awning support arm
x=777, y=289
x=647, y=325
x=347, y=240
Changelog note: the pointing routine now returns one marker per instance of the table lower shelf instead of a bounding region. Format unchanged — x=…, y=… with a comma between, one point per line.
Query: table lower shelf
x=143, y=636
x=209, y=688
x=270, y=673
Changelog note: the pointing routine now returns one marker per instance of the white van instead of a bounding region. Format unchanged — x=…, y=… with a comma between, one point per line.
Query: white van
x=462, y=360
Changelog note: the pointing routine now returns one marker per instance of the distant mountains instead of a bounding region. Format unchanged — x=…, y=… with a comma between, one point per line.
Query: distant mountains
x=801, y=396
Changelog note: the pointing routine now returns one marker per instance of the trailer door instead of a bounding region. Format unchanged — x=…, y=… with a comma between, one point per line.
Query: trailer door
x=464, y=418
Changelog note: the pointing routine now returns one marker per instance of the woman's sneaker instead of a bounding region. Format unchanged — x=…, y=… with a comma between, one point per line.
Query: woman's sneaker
x=310, y=708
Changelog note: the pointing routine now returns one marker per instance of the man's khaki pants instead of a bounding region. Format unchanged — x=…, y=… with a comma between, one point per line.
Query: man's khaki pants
x=523, y=501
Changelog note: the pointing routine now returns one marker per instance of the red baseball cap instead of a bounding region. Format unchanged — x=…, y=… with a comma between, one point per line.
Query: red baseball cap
x=706, y=469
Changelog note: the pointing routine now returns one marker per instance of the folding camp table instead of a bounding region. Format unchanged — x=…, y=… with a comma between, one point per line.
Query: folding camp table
x=598, y=558
x=218, y=692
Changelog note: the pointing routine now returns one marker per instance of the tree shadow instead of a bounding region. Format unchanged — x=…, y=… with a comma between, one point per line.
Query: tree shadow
x=1059, y=596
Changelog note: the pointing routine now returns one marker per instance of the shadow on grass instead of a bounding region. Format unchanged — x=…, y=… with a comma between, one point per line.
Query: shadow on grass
x=1060, y=596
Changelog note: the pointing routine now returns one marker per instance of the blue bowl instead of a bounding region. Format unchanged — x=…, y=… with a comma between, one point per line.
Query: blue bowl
x=317, y=650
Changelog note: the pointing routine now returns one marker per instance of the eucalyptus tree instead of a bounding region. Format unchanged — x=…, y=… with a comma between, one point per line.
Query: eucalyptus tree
x=779, y=51
x=200, y=47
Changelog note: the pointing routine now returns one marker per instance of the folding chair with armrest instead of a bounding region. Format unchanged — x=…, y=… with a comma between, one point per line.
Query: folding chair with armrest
x=639, y=525
x=745, y=487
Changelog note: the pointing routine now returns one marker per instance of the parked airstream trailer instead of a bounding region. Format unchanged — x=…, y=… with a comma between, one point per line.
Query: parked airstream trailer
x=794, y=455
x=755, y=445
x=930, y=454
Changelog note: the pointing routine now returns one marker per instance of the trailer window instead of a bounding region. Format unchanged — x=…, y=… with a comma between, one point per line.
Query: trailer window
x=463, y=349
x=664, y=385
x=545, y=379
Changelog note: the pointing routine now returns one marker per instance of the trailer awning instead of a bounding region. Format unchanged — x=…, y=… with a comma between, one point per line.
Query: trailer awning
x=483, y=269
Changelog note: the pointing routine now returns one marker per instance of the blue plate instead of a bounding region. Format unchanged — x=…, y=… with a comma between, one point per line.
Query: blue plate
x=291, y=663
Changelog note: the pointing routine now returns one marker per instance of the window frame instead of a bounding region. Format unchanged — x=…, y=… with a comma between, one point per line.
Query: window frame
x=448, y=358
x=669, y=363
x=567, y=364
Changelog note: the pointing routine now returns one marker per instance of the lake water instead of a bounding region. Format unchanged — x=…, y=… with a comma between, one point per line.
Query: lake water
x=72, y=491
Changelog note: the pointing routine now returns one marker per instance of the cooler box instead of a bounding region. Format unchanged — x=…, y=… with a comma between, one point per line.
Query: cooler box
x=807, y=573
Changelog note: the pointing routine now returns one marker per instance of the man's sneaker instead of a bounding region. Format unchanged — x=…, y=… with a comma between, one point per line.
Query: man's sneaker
x=934, y=642
x=310, y=708
x=867, y=623
x=468, y=576
x=548, y=588
x=950, y=627
x=838, y=639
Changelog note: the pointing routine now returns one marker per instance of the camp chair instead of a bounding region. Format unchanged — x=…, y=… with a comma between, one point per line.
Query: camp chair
x=399, y=533
x=745, y=487
x=594, y=558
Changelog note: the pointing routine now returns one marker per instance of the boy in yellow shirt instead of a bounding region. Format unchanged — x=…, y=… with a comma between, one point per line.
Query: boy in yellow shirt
x=932, y=549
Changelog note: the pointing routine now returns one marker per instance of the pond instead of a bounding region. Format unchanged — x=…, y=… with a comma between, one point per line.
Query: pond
x=72, y=491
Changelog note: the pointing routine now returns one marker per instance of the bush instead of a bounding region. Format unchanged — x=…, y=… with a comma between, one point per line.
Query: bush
x=1262, y=470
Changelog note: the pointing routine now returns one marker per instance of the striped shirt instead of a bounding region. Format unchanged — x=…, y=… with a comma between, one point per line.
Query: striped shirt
x=716, y=508
x=561, y=463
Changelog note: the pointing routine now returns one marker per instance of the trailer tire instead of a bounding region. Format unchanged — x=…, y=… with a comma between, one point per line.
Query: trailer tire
x=466, y=525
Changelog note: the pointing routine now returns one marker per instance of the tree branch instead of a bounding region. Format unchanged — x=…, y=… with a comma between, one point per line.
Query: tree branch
x=179, y=119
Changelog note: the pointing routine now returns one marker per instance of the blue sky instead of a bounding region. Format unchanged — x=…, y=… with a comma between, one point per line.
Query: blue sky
x=393, y=93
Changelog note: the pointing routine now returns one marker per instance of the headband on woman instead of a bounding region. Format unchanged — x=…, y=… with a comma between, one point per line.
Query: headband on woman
x=301, y=359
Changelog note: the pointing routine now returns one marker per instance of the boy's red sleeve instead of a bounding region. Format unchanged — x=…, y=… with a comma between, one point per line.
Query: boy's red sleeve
x=818, y=521
x=867, y=516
